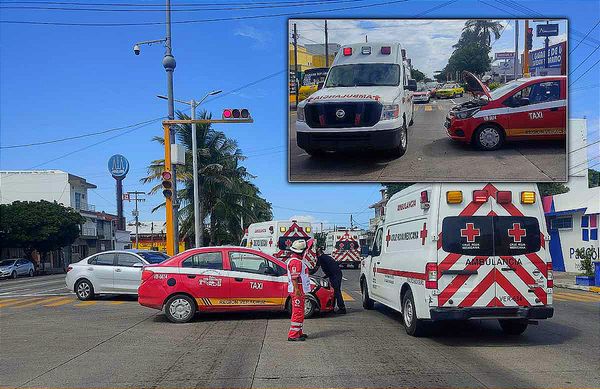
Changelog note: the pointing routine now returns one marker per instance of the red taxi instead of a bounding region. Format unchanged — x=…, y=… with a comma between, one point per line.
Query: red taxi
x=523, y=109
x=213, y=279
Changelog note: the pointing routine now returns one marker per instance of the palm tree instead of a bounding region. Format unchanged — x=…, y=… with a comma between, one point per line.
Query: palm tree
x=484, y=29
x=220, y=177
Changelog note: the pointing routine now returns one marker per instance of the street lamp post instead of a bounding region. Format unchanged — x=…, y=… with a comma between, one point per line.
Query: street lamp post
x=169, y=65
x=198, y=230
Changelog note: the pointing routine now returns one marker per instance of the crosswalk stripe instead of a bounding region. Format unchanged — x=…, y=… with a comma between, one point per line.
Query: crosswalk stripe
x=4, y=301
x=585, y=295
x=13, y=303
x=85, y=303
x=65, y=300
x=578, y=297
x=571, y=298
x=116, y=302
x=428, y=108
x=347, y=296
x=37, y=302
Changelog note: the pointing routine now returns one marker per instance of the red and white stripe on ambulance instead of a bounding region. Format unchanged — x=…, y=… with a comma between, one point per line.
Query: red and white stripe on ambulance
x=491, y=254
x=292, y=233
x=347, y=249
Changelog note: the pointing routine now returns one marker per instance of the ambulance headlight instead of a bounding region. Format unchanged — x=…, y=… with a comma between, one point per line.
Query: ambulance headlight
x=300, y=114
x=390, y=112
x=466, y=114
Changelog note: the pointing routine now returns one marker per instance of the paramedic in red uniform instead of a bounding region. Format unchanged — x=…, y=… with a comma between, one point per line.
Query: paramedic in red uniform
x=298, y=285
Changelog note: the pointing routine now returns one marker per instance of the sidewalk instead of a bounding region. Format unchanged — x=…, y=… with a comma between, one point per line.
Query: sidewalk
x=567, y=280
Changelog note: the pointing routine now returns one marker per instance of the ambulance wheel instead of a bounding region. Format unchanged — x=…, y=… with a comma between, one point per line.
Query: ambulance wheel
x=367, y=302
x=180, y=308
x=513, y=326
x=399, y=150
x=488, y=137
x=412, y=325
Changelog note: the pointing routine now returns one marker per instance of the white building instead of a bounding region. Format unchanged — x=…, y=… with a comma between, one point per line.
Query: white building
x=572, y=218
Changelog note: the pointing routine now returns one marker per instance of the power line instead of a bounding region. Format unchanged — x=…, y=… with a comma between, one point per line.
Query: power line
x=586, y=35
x=584, y=73
x=584, y=169
x=160, y=4
x=585, y=59
x=584, y=147
x=195, y=21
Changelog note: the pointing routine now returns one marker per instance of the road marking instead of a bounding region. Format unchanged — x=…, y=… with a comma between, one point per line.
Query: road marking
x=4, y=302
x=65, y=300
x=428, y=108
x=116, y=302
x=347, y=297
x=37, y=302
x=85, y=303
x=577, y=296
x=14, y=304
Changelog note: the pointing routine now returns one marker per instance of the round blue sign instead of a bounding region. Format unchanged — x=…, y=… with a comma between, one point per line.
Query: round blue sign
x=118, y=166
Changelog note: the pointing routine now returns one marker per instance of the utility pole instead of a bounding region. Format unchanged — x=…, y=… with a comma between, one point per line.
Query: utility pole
x=526, y=49
x=546, y=44
x=326, y=47
x=296, y=62
x=516, y=59
x=169, y=65
x=136, y=214
x=351, y=222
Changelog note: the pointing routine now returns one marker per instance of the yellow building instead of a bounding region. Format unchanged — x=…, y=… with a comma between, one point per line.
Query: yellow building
x=309, y=57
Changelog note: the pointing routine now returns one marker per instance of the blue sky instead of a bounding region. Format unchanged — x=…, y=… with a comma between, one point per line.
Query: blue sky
x=59, y=81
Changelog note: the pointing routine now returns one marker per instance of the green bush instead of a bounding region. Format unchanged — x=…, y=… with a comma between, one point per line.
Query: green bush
x=494, y=85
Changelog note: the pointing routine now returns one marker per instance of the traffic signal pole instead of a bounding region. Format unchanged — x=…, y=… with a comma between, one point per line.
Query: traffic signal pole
x=170, y=228
x=526, y=49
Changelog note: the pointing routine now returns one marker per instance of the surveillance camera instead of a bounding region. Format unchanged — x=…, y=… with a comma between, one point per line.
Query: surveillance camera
x=136, y=49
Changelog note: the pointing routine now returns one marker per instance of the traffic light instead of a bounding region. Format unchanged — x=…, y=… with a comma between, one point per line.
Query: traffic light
x=234, y=114
x=167, y=184
x=529, y=38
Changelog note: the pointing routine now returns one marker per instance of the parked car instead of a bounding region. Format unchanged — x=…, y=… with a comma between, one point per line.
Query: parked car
x=449, y=91
x=422, y=95
x=118, y=272
x=224, y=279
x=16, y=267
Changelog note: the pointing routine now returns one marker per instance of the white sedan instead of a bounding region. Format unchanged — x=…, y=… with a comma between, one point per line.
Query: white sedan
x=114, y=272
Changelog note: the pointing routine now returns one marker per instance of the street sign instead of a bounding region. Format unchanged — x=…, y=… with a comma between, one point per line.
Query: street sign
x=126, y=196
x=547, y=30
x=556, y=57
x=505, y=55
x=118, y=166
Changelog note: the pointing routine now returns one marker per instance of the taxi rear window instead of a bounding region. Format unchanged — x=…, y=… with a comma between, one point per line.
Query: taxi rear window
x=490, y=235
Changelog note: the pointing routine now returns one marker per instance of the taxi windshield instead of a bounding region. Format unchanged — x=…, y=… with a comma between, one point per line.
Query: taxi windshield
x=314, y=77
x=449, y=86
x=504, y=89
x=364, y=74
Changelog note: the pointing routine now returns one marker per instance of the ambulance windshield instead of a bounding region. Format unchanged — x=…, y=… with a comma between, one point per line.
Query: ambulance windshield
x=491, y=235
x=363, y=74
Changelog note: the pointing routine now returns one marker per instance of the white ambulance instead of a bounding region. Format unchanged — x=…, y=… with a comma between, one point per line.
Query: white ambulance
x=276, y=236
x=345, y=245
x=365, y=103
x=462, y=251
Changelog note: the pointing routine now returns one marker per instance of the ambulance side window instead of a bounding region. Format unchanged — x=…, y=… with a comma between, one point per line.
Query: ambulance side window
x=205, y=261
x=377, y=243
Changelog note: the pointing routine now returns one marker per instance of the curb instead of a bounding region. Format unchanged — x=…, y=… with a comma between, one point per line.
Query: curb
x=593, y=289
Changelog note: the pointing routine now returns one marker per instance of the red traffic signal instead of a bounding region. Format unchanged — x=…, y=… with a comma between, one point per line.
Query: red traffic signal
x=235, y=114
x=167, y=183
x=529, y=38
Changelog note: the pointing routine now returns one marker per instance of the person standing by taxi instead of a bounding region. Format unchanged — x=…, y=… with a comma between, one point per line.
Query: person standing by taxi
x=332, y=271
x=298, y=285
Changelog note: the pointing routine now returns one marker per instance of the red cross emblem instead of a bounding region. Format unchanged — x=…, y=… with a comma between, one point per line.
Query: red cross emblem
x=270, y=242
x=423, y=234
x=388, y=238
x=470, y=232
x=341, y=245
x=517, y=232
x=288, y=243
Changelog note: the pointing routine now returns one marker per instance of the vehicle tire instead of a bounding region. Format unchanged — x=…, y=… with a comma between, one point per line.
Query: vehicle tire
x=513, y=326
x=310, y=307
x=30, y=272
x=84, y=290
x=367, y=302
x=488, y=137
x=412, y=325
x=180, y=308
x=13, y=275
x=400, y=150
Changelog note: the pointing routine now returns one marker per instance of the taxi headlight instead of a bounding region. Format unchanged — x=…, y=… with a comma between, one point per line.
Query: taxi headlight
x=300, y=114
x=390, y=112
x=466, y=114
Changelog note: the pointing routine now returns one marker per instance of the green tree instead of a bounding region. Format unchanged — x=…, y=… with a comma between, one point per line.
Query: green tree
x=38, y=225
x=484, y=29
x=417, y=75
x=226, y=194
x=551, y=188
x=393, y=188
x=593, y=178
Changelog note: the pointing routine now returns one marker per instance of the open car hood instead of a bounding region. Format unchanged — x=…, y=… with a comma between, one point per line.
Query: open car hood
x=475, y=86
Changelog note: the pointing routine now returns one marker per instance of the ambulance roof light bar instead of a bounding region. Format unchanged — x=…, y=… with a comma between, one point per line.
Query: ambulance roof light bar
x=403, y=51
x=480, y=196
x=504, y=197
x=366, y=50
x=454, y=197
x=347, y=51
x=424, y=200
x=527, y=197
x=386, y=50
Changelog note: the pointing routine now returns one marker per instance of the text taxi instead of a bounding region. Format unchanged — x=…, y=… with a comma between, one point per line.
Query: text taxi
x=213, y=279
x=524, y=109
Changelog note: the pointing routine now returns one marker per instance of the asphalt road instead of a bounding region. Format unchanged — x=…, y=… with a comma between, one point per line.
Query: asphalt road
x=53, y=340
x=432, y=156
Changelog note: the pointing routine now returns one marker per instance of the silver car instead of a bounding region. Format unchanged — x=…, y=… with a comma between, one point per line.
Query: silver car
x=110, y=272
x=16, y=267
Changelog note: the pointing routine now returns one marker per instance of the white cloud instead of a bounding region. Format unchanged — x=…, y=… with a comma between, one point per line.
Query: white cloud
x=260, y=37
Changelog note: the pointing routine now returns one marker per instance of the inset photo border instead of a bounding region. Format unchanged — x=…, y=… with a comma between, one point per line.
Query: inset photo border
x=427, y=100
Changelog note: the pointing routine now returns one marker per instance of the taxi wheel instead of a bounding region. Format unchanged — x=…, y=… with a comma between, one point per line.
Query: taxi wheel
x=399, y=150
x=367, y=302
x=180, y=308
x=310, y=307
x=488, y=137
x=513, y=326
x=412, y=325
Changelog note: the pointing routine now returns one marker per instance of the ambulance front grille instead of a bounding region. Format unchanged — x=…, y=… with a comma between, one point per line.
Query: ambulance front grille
x=342, y=114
